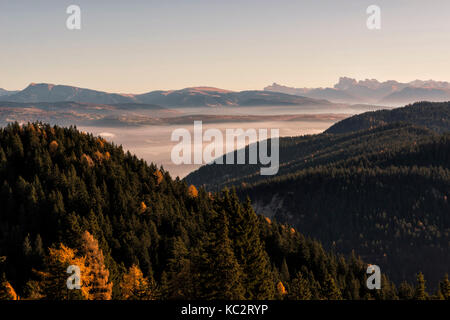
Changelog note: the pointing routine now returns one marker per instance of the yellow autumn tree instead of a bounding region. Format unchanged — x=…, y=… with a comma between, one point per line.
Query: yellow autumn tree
x=159, y=176
x=98, y=156
x=100, y=288
x=281, y=289
x=142, y=207
x=54, y=277
x=87, y=160
x=192, y=191
x=100, y=142
x=53, y=146
x=7, y=292
x=135, y=286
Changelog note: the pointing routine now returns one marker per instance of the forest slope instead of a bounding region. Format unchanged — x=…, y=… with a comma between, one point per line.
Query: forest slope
x=71, y=198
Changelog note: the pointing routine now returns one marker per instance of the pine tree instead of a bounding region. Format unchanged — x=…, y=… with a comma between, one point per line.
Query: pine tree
x=38, y=247
x=330, y=290
x=164, y=287
x=33, y=290
x=27, y=249
x=284, y=271
x=405, y=291
x=299, y=289
x=220, y=274
x=179, y=275
x=444, y=287
x=420, y=290
x=250, y=253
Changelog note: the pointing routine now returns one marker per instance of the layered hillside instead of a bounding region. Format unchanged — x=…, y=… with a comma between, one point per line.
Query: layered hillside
x=433, y=115
x=298, y=153
x=370, y=183
x=69, y=198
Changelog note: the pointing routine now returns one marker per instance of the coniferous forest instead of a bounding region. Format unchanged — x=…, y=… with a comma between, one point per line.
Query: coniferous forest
x=376, y=183
x=69, y=198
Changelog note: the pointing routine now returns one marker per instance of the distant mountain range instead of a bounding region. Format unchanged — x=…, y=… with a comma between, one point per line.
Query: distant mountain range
x=4, y=92
x=346, y=91
x=189, y=97
x=391, y=92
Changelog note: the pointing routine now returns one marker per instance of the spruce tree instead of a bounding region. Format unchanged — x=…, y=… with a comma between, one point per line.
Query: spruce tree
x=300, y=288
x=420, y=290
x=258, y=278
x=220, y=273
x=330, y=290
x=444, y=287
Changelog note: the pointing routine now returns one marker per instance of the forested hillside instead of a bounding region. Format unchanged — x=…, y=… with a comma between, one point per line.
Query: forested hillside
x=382, y=191
x=391, y=207
x=302, y=152
x=433, y=115
x=69, y=198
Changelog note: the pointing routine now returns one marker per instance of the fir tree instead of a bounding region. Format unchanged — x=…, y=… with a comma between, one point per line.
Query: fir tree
x=221, y=274
x=444, y=287
x=299, y=289
x=420, y=290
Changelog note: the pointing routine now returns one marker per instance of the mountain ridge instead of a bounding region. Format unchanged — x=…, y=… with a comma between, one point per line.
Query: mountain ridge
x=349, y=90
x=187, y=97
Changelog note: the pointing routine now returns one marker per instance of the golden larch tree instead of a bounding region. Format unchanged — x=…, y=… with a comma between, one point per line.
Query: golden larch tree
x=159, y=177
x=142, y=207
x=54, y=277
x=100, y=287
x=53, y=146
x=135, y=286
x=192, y=191
x=281, y=289
x=7, y=292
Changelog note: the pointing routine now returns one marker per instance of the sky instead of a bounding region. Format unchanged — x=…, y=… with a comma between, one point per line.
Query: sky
x=139, y=46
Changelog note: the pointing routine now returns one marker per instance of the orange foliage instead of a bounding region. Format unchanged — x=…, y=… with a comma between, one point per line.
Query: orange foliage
x=53, y=146
x=85, y=159
x=292, y=230
x=100, y=142
x=31, y=127
x=159, y=176
x=135, y=286
x=192, y=191
x=107, y=155
x=268, y=220
x=281, y=289
x=143, y=207
x=57, y=262
x=98, y=156
x=100, y=287
x=7, y=292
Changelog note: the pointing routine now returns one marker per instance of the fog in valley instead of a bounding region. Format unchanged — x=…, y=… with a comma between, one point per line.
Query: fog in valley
x=153, y=142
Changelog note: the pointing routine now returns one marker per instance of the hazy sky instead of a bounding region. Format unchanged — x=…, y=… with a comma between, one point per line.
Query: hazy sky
x=138, y=46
